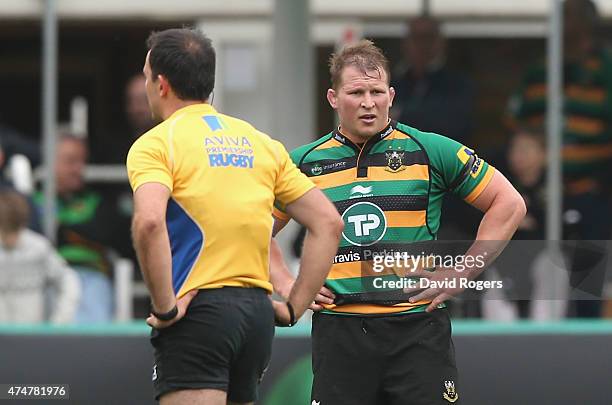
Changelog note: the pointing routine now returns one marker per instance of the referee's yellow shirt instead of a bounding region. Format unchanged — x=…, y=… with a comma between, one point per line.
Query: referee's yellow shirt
x=224, y=177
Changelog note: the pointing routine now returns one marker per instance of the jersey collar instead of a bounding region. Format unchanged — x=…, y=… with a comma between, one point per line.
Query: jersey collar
x=385, y=132
x=204, y=108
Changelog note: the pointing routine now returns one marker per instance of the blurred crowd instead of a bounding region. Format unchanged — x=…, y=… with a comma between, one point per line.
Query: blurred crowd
x=71, y=281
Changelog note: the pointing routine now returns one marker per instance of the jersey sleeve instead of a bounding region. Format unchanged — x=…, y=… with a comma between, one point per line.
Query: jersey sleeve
x=460, y=170
x=148, y=161
x=291, y=183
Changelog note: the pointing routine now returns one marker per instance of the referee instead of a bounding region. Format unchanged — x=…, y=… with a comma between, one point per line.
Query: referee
x=204, y=186
x=377, y=346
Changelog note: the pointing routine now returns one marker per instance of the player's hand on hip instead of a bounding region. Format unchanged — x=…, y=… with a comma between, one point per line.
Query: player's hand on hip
x=182, y=304
x=440, y=289
x=281, y=312
x=324, y=296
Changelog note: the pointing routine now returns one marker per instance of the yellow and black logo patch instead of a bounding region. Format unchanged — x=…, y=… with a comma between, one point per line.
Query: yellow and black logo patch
x=395, y=161
x=450, y=394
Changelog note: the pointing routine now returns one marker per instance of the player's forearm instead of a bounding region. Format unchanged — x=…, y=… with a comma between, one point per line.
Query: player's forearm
x=317, y=257
x=153, y=249
x=280, y=277
x=496, y=228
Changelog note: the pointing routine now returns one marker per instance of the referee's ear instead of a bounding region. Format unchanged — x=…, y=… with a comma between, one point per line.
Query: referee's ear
x=163, y=86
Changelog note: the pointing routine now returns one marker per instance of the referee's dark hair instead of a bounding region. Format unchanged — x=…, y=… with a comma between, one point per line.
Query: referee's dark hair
x=186, y=58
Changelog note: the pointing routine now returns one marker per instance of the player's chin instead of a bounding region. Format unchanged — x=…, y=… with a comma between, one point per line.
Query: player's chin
x=369, y=129
x=369, y=135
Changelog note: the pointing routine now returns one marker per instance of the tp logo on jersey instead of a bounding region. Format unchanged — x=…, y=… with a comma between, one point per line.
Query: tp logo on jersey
x=364, y=224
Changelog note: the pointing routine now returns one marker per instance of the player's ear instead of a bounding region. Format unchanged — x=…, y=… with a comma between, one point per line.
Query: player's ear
x=391, y=96
x=163, y=85
x=332, y=98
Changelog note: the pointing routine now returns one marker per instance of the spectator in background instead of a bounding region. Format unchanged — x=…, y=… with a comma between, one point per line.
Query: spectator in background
x=526, y=157
x=137, y=108
x=429, y=95
x=87, y=230
x=113, y=148
x=587, y=134
x=526, y=165
x=28, y=265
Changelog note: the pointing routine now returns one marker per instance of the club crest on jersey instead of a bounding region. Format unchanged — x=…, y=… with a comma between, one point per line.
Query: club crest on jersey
x=394, y=161
x=450, y=394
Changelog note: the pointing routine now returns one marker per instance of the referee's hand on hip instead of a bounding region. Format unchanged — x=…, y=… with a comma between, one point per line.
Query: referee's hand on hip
x=181, y=305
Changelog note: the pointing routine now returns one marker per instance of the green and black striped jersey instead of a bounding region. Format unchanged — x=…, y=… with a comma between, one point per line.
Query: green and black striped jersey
x=389, y=191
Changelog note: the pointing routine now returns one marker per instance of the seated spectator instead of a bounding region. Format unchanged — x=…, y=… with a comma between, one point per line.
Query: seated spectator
x=28, y=266
x=87, y=230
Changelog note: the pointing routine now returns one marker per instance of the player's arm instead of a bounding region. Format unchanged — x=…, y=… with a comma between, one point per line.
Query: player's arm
x=324, y=226
x=281, y=278
x=460, y=171
x=152, y=246
x=504, y=209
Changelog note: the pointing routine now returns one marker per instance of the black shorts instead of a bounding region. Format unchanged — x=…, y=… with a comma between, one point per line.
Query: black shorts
x=224, y=342
x=390, y=360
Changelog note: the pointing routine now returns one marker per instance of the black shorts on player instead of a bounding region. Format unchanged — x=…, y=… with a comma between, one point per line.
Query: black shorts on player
x=390, y=360
x=224, y=342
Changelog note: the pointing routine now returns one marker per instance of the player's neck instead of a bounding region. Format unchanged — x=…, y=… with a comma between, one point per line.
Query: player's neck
x=174, y=105
x=356, y=139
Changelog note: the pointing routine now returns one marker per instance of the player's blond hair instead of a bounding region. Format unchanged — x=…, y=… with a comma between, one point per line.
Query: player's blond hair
x=363, y=55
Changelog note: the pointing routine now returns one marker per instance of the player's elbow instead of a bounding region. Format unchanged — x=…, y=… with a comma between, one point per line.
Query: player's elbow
x=516, y=206
x=143, y=225
x=334, y=225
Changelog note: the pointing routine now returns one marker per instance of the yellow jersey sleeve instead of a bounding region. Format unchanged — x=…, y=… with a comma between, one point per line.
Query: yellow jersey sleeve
x=291, y=183
x=149, y=161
